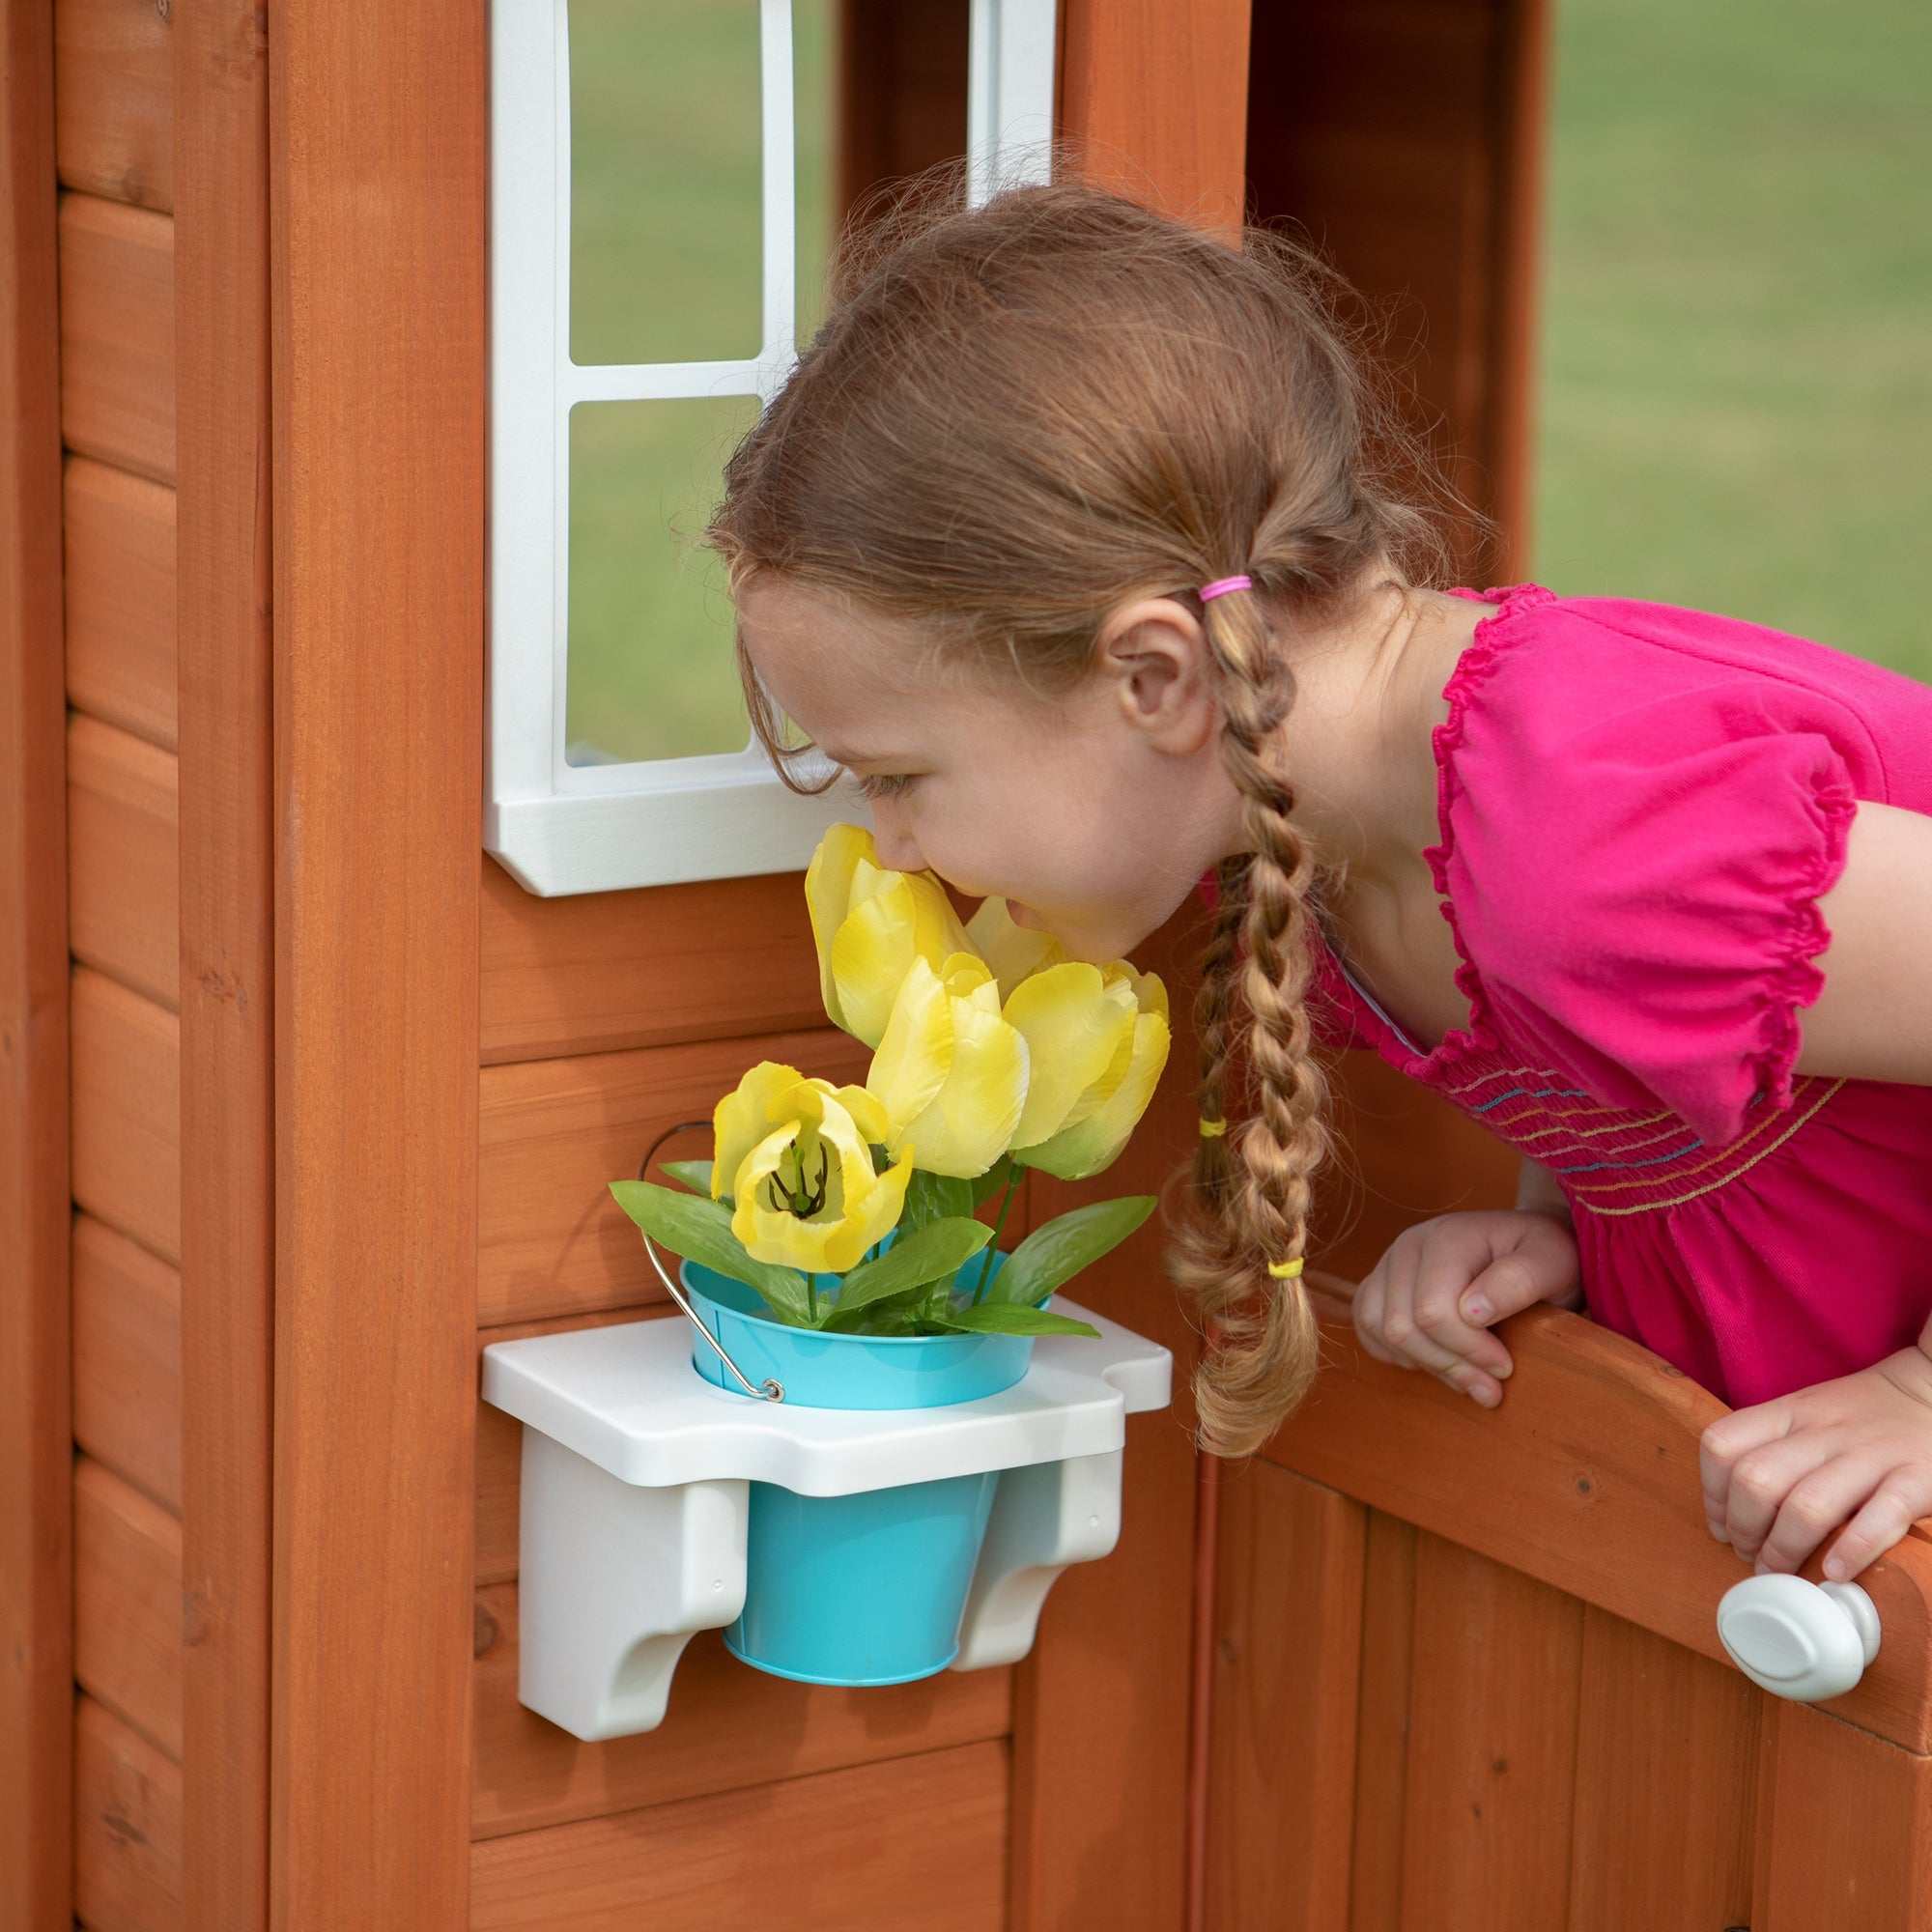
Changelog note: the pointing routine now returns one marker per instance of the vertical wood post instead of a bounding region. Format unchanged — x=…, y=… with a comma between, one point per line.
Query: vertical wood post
x=36, y=1427
x=227, y=951
x=378, y=172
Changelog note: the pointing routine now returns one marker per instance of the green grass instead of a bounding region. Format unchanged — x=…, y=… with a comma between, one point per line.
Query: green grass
x=664, y=255
x=1736, y=388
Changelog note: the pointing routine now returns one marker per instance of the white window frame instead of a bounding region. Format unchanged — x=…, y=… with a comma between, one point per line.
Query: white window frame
x=555, y=827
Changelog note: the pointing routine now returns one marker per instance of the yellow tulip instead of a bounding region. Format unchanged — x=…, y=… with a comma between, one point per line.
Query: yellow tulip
x=950, y=1072
x=797, y=1156
x=1113, y=1027
x=1012, y=951
x=871, y=924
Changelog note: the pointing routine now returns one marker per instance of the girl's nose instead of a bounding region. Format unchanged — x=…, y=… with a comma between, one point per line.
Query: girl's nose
x=896, y=848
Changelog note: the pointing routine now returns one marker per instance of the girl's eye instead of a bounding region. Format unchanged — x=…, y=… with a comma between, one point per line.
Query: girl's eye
x=891, y=784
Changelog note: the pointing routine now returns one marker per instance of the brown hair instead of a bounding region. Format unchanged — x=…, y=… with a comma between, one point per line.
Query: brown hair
x=1020, y=417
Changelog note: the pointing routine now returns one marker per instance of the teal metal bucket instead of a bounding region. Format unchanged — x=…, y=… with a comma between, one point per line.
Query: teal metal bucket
x=869, y=1588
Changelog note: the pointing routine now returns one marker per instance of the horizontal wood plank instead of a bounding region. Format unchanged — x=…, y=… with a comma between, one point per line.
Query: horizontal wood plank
x=728, y=1726
x=1585, y=1478
x=117, y=325
x=123, y=825
x=114, y=97
x=554, y=1133
x=126, y=1603
x=127, y=1112
x=602, y=970
x=918, y=1844
x=127, y=1360
x=120, y=582
x=127, y=1828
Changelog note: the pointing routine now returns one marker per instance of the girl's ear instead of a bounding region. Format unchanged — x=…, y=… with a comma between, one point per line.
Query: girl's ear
x=1154, y=656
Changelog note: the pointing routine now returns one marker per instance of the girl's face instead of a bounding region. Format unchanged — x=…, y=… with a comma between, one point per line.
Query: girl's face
x=1094, y=811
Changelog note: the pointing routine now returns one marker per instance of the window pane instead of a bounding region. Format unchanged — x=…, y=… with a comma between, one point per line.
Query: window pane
x=651, y=673
x=1737, y=401
x=663, y=185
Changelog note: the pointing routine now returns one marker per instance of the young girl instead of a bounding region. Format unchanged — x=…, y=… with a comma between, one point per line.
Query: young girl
x=1072, y=537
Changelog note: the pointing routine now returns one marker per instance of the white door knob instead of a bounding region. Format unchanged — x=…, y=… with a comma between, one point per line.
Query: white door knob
x=1805, y=1641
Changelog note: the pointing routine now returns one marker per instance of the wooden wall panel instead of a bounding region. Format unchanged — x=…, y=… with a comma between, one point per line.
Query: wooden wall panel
x=224, y=587
x=120, y=532
x=1491, y=1745
x=126, y=1603
x=377, y=149
x=114, y=80
x=918, y=1844
x=127, y=1112
x=609, y=969
x=1287, y=1687
x=36, y=1439
x=122, y=887
x=1667, y=1787
x=127, y=1360
x=127, y=1828
x=901, y=92
x=1382, y=1733
x=117, y=335
x=728, y=1727
x=555, y=1134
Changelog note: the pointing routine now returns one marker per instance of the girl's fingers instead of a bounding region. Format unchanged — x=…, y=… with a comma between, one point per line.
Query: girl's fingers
x=1814, y=1506
x=1726, y=1440
x=1442, y=1283
x=1898, y=1502
x=1761, y=1480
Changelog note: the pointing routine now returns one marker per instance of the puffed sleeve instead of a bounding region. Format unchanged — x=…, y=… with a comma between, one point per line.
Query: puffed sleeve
x=1634, y=873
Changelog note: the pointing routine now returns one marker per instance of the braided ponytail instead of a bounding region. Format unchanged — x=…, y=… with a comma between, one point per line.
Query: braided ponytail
x=1021, y=417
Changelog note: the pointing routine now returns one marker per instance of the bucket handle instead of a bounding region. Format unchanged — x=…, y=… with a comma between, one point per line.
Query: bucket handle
x=770, y=1389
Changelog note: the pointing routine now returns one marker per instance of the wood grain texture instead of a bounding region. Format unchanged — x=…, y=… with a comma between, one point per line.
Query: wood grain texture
x=127, y=1828
x=1381, y=1732
x=127, y=1360
x=127, y=1112
x=728, y=1727
x=1667, y=1787
x=1844, y=1826
x=224, y=588
x=122, y=811
x=35, y=1429
x=120, y=532
x=1288, y=1638
x=376, y=143
x=1491, y=1747
x=1153, y=94
x=901, y=92
x=602, y=970
x=117, y=335
x=126, y=1603
x=918, y=1844
x=1585, y=1478
x=114, y=100
x=1102, y=1721
x=556, y=1133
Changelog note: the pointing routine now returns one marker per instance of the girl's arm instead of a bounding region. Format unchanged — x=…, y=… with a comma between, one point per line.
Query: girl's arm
x=1873, y=1021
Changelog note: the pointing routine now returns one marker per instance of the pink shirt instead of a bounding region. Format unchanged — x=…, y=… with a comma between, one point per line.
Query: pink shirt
x=1639, y=809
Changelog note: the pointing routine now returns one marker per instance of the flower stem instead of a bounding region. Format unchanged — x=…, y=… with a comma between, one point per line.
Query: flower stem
x=999, y=1228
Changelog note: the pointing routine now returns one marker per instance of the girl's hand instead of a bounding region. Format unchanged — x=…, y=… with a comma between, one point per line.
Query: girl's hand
x=1780, y=1476
x=1429, y=1303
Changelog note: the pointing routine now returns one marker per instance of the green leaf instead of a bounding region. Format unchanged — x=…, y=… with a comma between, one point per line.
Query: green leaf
x=701, y=1230
x=695, y=1174
x=1002, y=1171
x=889, y=1315
x=935, y=1197
x=1008, y=1318
x=935, y=1252
x=1057, y=1252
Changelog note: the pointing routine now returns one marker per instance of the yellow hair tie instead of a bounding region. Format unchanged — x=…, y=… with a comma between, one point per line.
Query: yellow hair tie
x=1285, y=1270
x=1213, y=1130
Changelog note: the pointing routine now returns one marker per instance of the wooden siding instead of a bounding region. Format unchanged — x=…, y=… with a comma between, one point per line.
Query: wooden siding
x=114, y=76
x=123, y=821
x=126, y=1605
x=117, y=341
x=120, y=535
x=918, y=1844
x=127, y=1828
x=127, y=1360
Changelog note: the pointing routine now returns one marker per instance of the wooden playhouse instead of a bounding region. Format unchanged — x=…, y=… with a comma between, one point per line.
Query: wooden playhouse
x=306, y=1098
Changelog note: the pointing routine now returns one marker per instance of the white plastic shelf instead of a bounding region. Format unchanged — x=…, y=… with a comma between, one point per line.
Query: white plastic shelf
x=635, y=1499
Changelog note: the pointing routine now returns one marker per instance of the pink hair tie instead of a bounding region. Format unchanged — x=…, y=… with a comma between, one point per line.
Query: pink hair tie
x=1221, y=586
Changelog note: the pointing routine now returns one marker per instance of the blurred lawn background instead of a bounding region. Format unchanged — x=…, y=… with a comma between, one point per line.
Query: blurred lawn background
x=1734, y=389
x=1736, y=385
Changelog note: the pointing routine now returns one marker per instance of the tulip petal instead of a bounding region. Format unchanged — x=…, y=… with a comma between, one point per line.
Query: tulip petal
x=915, y=1052
x=1012, y=951
x=970, y=1123
x=1073, y=1024
x=1097, y=1142
x=828, y=897
x=746, y=1116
